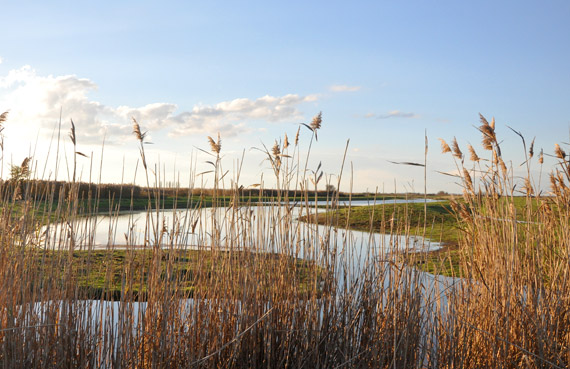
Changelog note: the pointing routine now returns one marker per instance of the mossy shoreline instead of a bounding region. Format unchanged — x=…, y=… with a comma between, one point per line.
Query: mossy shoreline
x=123, y=274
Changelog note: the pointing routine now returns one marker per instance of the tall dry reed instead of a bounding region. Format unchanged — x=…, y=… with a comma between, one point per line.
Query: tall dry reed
x=514, y=307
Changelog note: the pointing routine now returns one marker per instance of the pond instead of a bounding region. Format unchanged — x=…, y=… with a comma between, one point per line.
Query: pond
x=268, y=228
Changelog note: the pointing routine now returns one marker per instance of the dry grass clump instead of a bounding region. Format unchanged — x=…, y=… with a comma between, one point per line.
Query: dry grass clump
x=514, y=310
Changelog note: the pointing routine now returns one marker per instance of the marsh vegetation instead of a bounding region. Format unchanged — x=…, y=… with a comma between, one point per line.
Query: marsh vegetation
x=237, y=282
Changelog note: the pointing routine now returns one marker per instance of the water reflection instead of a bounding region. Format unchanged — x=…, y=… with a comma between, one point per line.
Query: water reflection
x=267, y=228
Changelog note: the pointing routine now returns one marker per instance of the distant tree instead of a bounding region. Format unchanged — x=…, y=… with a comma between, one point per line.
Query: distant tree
x=330, y=188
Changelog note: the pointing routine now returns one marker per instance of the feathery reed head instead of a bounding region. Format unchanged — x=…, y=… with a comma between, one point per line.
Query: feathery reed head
x=541, y=157
x=558, y=152
x=3, y=117
x=18, y=173
x=25, y=163
x=317, y=121
x=297, y=136
x=137, y=131
x=554, y=185
x=488, y=131
x=215, y=146
x=276, y=151
x=473, y=155
x=444, y=146
x=468, y=180
x=72, y=133
x=528, y=187
x=140, y=136
x=285, y=142
x=455, y=148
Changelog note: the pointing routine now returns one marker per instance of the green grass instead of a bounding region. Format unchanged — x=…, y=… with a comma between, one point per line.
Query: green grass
x=442, y=226
x=109, y=274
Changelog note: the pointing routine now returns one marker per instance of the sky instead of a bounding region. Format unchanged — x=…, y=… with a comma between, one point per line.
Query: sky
x=385, y=74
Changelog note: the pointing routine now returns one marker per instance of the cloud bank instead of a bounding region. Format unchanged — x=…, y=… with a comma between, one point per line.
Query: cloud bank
x=37, y=100
x=393, y=114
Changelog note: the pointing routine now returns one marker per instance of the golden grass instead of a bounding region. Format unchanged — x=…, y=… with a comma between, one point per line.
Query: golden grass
x=263, y=290
x=515, y=309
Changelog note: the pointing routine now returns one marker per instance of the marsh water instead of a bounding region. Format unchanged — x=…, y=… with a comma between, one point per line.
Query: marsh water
x=266, y=228
x=272, y=228
x=243, y=228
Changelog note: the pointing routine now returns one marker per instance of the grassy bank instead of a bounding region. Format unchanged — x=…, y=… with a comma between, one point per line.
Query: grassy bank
x=110, y=274
x=441, y=225
x=408, y=219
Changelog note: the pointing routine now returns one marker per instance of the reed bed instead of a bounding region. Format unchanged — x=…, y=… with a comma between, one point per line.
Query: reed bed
x=513, y=310
x=254, y=288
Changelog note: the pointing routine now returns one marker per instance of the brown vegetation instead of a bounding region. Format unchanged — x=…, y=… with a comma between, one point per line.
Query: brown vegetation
x=347, y=306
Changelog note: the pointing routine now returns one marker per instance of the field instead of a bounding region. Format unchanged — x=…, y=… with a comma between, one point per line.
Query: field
x=257, y=288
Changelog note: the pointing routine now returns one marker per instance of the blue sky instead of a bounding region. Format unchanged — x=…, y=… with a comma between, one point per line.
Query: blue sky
x=382, y=73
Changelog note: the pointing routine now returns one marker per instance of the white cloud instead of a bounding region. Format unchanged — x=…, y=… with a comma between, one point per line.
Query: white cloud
x=35, y=101
x=344, y=88
x=1, y=60
x=393, y=114
x=232, y=114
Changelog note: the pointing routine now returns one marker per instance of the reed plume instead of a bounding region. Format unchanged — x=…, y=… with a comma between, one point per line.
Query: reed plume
x=215, y=146
x=72, y=133
x=73, y=139
x=455, y=148
x=444, y=146
x=558, y=152
x=276, y=152
x=137, y=131
x=488, y=131
x=3, y=117
x=468, y=181
x=473, y=155
x=317, y=121
x=140, y=136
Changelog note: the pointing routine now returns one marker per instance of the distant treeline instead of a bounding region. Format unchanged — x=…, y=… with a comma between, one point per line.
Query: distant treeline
x=43, y=189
